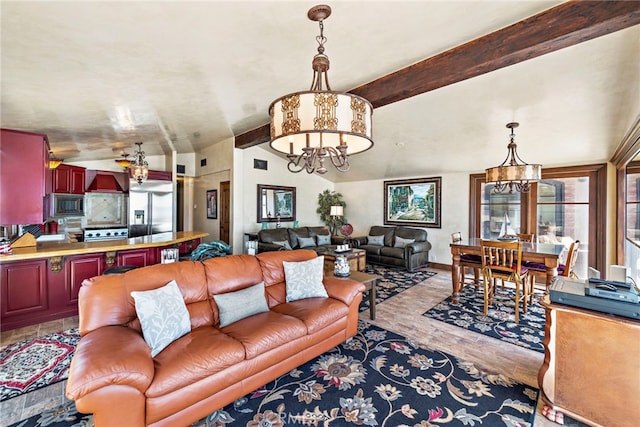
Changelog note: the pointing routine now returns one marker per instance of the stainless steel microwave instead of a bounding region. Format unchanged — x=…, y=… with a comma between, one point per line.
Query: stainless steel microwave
x=66, y=204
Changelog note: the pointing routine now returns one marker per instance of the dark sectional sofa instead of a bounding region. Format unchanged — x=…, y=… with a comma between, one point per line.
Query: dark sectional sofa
x=395, y=246
x=315, y=238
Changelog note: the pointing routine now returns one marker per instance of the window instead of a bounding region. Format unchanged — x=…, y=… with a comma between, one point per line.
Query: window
x=632, y=215
x=568, y=204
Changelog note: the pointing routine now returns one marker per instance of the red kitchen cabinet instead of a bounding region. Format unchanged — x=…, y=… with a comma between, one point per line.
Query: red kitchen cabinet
x=79, y=268
x=24, y=167
x=24, y=289
x=137, y=257
x=68, y=179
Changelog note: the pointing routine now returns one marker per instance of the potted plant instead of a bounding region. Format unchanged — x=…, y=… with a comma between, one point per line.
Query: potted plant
x=326, y=199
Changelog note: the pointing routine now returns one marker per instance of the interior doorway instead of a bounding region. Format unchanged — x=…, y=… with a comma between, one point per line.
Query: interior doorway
x=225, y=211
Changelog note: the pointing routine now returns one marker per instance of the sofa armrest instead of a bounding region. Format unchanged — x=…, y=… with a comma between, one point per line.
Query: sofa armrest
x=343, y=289
x=415, y=247
x=268, y=247
x=356, y=242
x=111, y=355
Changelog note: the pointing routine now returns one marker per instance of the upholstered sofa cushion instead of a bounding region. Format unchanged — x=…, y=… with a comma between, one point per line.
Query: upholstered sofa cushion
x=304, y=279
x=375, y=240
x=163, y=316
x=237, y=305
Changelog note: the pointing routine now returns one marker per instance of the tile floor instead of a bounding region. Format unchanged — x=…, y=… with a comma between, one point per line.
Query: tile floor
x=401, y=314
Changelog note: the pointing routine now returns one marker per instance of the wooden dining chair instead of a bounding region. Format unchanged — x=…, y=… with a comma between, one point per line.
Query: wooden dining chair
x=524, y=237
x=503, y=260
x=468, y=261
x=567, y=269
x=564, y=269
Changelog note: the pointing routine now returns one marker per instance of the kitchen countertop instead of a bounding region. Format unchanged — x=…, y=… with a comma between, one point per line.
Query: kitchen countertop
x=51, y=249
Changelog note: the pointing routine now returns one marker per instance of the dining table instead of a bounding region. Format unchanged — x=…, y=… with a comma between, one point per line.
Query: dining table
x=547, y=254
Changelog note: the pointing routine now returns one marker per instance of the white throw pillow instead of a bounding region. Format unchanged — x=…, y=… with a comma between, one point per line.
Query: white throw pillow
x=304, y=279
x=163, y=316
x=306, y=242
x=237, y=305
x=285, y=244
x=375, y=240
x=323, y=239
x=401, y=243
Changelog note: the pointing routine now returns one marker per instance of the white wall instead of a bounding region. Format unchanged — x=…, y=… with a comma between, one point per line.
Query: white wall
x=246, y=190
x=219, y=157
x=365, y=207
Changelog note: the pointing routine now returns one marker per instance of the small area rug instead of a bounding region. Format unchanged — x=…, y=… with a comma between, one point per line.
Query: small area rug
x=499, y=322
x=394, y=281
x=377, y=379
x=29, y=365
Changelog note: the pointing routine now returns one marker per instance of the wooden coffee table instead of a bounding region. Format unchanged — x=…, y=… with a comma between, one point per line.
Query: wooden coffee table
x=370, y=281
x=357, y=259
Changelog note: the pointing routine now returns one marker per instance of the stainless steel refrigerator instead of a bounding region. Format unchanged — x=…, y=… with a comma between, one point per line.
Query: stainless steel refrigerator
x=150, y=207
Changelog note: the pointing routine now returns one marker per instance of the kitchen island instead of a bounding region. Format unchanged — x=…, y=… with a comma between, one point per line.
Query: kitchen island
x=41, y=283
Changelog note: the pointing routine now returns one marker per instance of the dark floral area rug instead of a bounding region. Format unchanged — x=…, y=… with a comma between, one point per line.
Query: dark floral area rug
x=394, y=281
x=29, y=365
x=499, y=322
x=377, y=379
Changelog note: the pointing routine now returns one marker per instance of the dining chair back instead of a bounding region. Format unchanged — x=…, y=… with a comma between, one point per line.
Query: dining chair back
x=524, y=237
x=572, y=256
x=467, y=261
x=502, y=260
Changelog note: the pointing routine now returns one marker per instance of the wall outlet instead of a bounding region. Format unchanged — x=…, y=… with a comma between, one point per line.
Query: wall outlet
x=60, y=221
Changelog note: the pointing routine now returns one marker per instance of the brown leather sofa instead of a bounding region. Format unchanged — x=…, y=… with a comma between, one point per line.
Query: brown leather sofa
x=113, y=375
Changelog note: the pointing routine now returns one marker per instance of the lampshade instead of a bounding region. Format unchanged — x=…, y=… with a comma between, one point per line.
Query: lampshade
x=124, y=162
x=337, y=211
x=54, y=162
x=511, y=175
x=318, y=124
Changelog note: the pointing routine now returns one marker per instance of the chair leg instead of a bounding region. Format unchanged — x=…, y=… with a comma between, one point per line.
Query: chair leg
x=517, y=283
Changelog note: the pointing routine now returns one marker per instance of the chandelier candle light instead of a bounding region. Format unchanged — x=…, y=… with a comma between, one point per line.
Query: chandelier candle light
x=139, y=166
x=511, y=174
x=317, y=124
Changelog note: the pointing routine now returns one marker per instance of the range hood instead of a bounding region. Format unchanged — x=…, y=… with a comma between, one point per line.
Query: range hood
x=105, y=183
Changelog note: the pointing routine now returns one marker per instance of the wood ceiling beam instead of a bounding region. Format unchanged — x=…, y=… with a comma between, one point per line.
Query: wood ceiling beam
x=562, y=26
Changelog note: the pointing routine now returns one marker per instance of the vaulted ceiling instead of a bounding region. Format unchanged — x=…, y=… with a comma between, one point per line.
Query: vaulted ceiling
x=445, y=77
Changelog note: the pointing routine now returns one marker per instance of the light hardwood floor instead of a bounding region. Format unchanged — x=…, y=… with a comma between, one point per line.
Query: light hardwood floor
x=401, y=314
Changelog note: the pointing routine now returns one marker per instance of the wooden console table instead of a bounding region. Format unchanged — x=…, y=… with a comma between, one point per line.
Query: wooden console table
x=591, y=370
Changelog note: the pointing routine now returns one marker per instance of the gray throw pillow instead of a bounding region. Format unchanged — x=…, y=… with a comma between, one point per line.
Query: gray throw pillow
x=306, y=242
x=304, y=279
x=375, y=240
x=401, y=243
x=323, y=240
x=163, y=316
x=285, y=244
x=234, y=306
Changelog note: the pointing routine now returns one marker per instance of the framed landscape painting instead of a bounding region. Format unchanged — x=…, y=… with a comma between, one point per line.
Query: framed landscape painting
x=413, y=202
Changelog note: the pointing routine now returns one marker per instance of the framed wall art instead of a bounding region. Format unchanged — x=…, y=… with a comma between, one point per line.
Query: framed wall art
x=212, y=204
x=276, y=203
x=413, y=202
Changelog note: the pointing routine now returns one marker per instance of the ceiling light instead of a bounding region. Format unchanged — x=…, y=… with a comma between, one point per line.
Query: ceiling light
x=311, y=126
x=54, y=162
x=124, y=162
x=139, y=166
x=511, y=174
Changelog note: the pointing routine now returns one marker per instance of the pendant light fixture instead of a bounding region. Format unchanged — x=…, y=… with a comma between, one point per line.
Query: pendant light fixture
x=124, y=162
x=54, y=161
x=511, y=175
x=139, y=166
x=319, y=124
